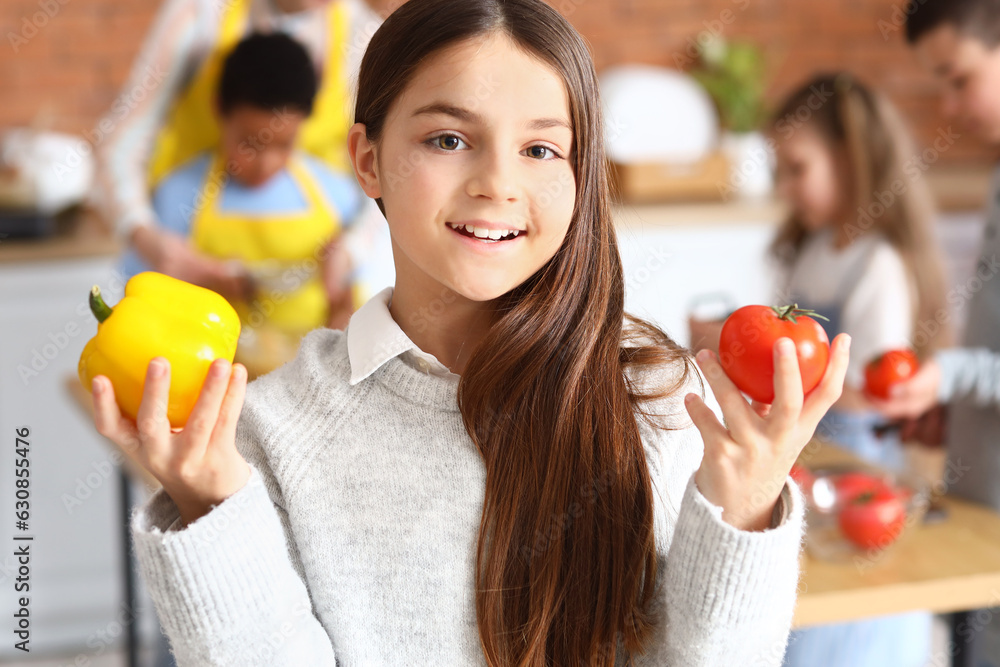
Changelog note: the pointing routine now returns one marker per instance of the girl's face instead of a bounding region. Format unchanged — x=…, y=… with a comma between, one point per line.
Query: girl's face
x=811, y=178
x=480, y=137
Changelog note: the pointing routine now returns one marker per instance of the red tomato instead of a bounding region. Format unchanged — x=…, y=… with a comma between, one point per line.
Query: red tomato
x=850, y=485
x=885, y=370
x=803, y=477
x=873, y=518
x=746, y=348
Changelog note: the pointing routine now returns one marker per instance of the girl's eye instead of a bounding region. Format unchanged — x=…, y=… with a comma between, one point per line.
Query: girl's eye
x=448, y=142
x=539, y=152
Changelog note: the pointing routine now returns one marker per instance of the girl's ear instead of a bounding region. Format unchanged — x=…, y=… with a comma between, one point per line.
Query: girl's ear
x=362, y=153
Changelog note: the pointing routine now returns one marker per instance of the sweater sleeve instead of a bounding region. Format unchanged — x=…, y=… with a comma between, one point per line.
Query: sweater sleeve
x=971, y=372
x=730, y=594
x=727, y=596
x=229, y=588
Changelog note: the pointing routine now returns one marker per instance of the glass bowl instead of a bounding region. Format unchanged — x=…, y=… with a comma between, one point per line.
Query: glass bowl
x=855, y=487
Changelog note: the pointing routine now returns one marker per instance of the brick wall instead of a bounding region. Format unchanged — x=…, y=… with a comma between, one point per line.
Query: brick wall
x=62, y=61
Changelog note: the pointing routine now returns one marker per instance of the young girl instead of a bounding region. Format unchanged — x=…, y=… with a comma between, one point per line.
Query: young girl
x=473, y=472
x=858, y=248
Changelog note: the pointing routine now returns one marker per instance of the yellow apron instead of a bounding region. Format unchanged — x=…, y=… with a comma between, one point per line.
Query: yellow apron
x=283, y=253
x=191, y=128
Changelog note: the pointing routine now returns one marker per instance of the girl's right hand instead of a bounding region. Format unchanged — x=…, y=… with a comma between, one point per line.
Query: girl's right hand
x=198, y=465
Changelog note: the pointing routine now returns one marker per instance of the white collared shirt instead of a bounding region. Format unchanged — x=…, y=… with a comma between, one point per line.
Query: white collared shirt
x=374, y=338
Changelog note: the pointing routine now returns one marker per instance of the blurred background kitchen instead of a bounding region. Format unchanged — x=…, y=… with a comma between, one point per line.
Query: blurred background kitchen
x=687, y=86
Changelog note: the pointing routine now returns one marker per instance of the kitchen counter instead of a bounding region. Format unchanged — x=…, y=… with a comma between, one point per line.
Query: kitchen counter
x=943, y=567
x=80, y=233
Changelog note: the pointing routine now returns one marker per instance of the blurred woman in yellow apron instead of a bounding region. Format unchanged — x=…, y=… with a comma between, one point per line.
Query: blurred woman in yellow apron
x=257, y=202
x=283, y=254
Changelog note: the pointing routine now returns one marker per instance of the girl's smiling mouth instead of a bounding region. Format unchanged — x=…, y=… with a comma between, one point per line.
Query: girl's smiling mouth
x=481, y=232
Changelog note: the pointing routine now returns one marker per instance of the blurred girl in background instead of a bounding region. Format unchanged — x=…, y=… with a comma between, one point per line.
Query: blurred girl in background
x=858, y=245
x=858, y=248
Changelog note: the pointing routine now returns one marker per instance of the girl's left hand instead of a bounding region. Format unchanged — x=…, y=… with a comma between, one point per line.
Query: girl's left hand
x=745, y=465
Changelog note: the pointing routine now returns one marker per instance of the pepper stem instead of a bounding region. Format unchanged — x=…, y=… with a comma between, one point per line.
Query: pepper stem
x=101, y=310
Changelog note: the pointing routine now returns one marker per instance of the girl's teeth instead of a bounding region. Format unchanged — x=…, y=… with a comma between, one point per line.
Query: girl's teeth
x=491, y=234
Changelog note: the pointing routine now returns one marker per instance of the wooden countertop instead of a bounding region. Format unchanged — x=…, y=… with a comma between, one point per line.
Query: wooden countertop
x=944, y=567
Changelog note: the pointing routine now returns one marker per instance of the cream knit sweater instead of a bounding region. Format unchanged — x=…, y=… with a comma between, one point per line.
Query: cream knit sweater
x=353, y=543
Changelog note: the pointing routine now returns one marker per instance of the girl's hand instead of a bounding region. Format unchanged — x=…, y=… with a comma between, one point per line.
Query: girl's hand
x=199, y=465
x=746, y=465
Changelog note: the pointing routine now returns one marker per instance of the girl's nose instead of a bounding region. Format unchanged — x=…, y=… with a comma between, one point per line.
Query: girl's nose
x=492, y=176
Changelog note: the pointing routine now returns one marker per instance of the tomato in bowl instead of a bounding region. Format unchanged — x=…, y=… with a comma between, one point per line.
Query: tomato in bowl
x=861, y=511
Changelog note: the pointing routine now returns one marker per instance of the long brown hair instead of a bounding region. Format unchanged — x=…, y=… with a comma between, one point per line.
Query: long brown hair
x=566, y=557
x=873, y=136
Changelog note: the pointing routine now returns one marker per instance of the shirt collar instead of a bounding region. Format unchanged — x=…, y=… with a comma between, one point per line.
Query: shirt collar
x=373, y=338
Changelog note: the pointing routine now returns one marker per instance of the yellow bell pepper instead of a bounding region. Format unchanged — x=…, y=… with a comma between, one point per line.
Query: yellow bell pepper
x=159, y=316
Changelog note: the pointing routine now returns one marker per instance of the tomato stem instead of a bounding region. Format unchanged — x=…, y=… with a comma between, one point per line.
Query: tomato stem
x=789, y=313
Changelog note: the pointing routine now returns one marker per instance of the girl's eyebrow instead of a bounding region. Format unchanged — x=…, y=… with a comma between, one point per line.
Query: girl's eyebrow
x=469, y=116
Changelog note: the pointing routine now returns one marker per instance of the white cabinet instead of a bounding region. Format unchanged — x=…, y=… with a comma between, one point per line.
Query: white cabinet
x=673, y=254
x=76, y=591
